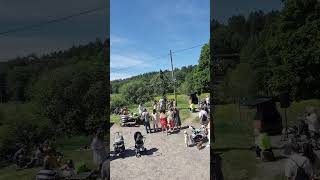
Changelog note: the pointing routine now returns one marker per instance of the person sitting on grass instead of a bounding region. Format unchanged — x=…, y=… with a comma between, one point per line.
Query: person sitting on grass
x=298, y=166
x=145, y=116
x=155, y=120
x=20, y=157
x=68, y=169
x=163, y=121
x=47, y=172
x=264, y=146
x=38, y=158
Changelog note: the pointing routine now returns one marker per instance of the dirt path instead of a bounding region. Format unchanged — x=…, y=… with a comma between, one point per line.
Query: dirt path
x=167, y=157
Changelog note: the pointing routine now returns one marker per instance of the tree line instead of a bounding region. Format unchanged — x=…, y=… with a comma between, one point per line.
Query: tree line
x=278, y=52
x=63, y=93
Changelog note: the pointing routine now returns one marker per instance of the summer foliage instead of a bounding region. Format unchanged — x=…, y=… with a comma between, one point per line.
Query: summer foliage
x=279, y=51
x=62, y=93
x=143, y=88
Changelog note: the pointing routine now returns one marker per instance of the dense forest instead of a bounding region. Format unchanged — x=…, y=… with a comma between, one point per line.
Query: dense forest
x=56, y=94
x=144, y=87
x=276, y=52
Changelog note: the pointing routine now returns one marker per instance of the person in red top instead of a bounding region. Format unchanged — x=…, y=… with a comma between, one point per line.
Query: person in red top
x=163, y=121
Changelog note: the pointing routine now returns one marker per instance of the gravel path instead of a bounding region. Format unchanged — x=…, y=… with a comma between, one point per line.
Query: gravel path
x=167, y=157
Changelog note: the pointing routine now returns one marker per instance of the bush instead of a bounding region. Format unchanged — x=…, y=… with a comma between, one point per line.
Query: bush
x=22, y=126
x=117, y=100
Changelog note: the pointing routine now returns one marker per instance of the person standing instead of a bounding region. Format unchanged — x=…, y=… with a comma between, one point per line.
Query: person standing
x=140, y=109
x=99, y=149
x=163, y=121
x=298, y=166
x=161, y=103
x=170, y=119
x=146, y=117
x=155, y=120
x=203, y=116
x=176, y=113
x=208, y=130
x=207, y=100
x=155, y=105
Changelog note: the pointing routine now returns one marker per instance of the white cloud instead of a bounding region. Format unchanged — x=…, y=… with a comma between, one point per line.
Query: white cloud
x=115, y=76
x=125, y=61
x=117, y=40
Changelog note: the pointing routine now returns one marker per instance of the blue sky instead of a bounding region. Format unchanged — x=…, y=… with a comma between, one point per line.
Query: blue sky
x=141, y=31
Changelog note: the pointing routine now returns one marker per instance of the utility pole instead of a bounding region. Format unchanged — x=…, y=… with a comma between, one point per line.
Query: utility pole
x=174, y=82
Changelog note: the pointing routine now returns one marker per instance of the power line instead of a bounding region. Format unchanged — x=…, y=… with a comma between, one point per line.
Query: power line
x=23, y=28
x=159, y=57
x=180, y=50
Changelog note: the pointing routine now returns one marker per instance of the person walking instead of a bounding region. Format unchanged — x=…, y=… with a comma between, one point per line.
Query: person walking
x=99, y=149
x=155, y=120
x=163, y=121
x=176, y=114
x=146, y=117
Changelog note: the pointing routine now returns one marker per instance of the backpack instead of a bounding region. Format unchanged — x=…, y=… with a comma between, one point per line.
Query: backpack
x=301, y=174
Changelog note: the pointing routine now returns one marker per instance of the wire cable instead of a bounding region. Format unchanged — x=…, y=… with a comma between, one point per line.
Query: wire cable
x=23, y=28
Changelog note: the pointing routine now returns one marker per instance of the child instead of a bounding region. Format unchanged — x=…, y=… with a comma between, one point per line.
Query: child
x=68, y=170
x=155, y=120
x=163, y=121
x=170, y=119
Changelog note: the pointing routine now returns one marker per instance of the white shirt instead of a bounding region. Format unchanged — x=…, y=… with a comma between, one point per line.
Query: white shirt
x=313, y=123
x=207, y=100
x=291, y=166
x=202, y=112
x=155, y=118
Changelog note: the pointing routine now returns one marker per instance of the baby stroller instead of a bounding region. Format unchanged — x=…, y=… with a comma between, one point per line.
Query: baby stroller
x=197, y=135
x=118, y=145
x=126, y=120
x=139, y=143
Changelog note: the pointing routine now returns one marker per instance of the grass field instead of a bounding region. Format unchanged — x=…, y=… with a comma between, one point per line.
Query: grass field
x=68, y=146
x=234, y=135
x=182, y=101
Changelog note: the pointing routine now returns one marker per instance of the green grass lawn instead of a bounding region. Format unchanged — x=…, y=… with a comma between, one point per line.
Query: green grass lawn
x=234, y=135
x=182, y=101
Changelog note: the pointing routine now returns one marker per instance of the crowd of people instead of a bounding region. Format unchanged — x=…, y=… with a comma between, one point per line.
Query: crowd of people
x=47, y=157
x=169, y=119
x=302, y=161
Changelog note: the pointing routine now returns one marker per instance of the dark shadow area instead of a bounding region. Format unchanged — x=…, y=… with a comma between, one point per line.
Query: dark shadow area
x=150, y=152
x=111, y=124
x=226, y=149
